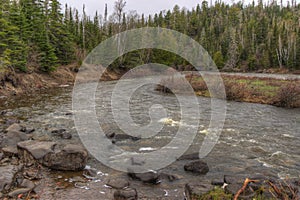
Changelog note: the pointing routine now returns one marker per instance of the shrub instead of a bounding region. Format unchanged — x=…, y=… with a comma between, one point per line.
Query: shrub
x=288, y=96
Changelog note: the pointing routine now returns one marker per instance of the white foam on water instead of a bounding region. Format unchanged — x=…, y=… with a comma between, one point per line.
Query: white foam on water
x=147, y=149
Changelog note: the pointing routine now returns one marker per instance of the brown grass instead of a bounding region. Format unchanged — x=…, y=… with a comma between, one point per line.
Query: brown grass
x=282, y=93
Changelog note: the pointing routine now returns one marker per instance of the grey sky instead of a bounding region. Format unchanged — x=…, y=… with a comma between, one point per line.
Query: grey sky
x=141, y=6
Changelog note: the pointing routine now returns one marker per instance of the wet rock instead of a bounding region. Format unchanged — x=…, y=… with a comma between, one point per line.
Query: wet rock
x=193, y=156
x=197, y=167
x=234, y=188
x=59, y=157
x=169, y=177
x=7, y=174
x=126, y=194
x=18, y=191
x=13, y=136
x=195, y=191
x=148, y=177
x=117, y=183
x=110, y=135
x=218, y=182
x=238, y=179
x=125, y=137
x=58, y=132
x=10, y=151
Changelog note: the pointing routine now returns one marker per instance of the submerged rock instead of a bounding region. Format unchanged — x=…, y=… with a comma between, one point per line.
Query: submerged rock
x=148, y=177
x=54, y=156
x=126, y=194
x=198, y=167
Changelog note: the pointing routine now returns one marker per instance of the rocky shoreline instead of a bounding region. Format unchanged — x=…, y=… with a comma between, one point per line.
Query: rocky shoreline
x=26, y=161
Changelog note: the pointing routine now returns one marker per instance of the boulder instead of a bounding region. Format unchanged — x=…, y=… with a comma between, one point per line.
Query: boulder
x=148, y=177
x=195, y=191
x=126, y=194
x=53, y=155
x=197, y=167
x=117, y=183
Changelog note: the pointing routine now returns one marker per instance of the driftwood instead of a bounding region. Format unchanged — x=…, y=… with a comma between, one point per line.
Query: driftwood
x=247, y=181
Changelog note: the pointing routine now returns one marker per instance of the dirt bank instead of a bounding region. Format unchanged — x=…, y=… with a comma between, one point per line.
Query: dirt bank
x=14, y=83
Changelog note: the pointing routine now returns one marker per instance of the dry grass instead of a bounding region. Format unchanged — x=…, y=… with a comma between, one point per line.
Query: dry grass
x=282, y=93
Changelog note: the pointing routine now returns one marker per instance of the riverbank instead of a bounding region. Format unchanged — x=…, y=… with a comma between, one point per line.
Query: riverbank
x=242, y=88
x=16, y=84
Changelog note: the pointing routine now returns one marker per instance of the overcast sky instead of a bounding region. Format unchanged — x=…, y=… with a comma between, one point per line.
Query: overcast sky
x=141, y=6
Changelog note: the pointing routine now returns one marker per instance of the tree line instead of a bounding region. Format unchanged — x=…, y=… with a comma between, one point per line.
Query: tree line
x=39, y=34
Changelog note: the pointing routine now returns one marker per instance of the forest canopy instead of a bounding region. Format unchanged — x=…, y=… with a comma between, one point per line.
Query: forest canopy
x=41, y=35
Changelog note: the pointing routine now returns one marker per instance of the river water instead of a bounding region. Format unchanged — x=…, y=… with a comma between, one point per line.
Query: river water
x=256, y=138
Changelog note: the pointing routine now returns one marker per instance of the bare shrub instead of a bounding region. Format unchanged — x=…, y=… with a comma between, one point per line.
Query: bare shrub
x=288, y=96
x=235, y=91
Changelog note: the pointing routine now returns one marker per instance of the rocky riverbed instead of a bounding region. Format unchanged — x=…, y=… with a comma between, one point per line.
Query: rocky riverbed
x=42, y=155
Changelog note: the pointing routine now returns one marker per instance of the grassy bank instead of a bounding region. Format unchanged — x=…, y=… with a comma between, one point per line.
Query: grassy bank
x=282, y=93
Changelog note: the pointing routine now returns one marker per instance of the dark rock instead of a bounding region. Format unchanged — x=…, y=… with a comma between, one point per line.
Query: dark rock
x=195, y=191
x=10, y=151
x=68, y=114
x=234, y=188
x=1, y=155
x=110, y=135
x=231, y=179
x=90, y=173
x=18, y=191
x=58, y=131
x=7, y=174
x=59, y=157
x=218, y=182
x=193, y=156
x=198, y=167
x=117, y=183
x=126, y=194
x=125, y=137
x=148, y=177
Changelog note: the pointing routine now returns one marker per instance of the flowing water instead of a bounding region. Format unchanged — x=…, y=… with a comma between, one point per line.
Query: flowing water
x=256, y=138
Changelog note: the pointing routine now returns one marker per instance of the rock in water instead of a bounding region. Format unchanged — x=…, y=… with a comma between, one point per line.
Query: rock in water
x=148, y=177
x=126, y=194
x=54, y=156
x=198, y=167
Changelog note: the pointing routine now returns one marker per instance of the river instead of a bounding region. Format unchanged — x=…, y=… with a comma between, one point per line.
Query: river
x=256, y=138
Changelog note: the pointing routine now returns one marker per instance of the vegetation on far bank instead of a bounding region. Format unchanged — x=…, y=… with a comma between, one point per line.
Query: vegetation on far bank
x=39, y=35
x=282, y=93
